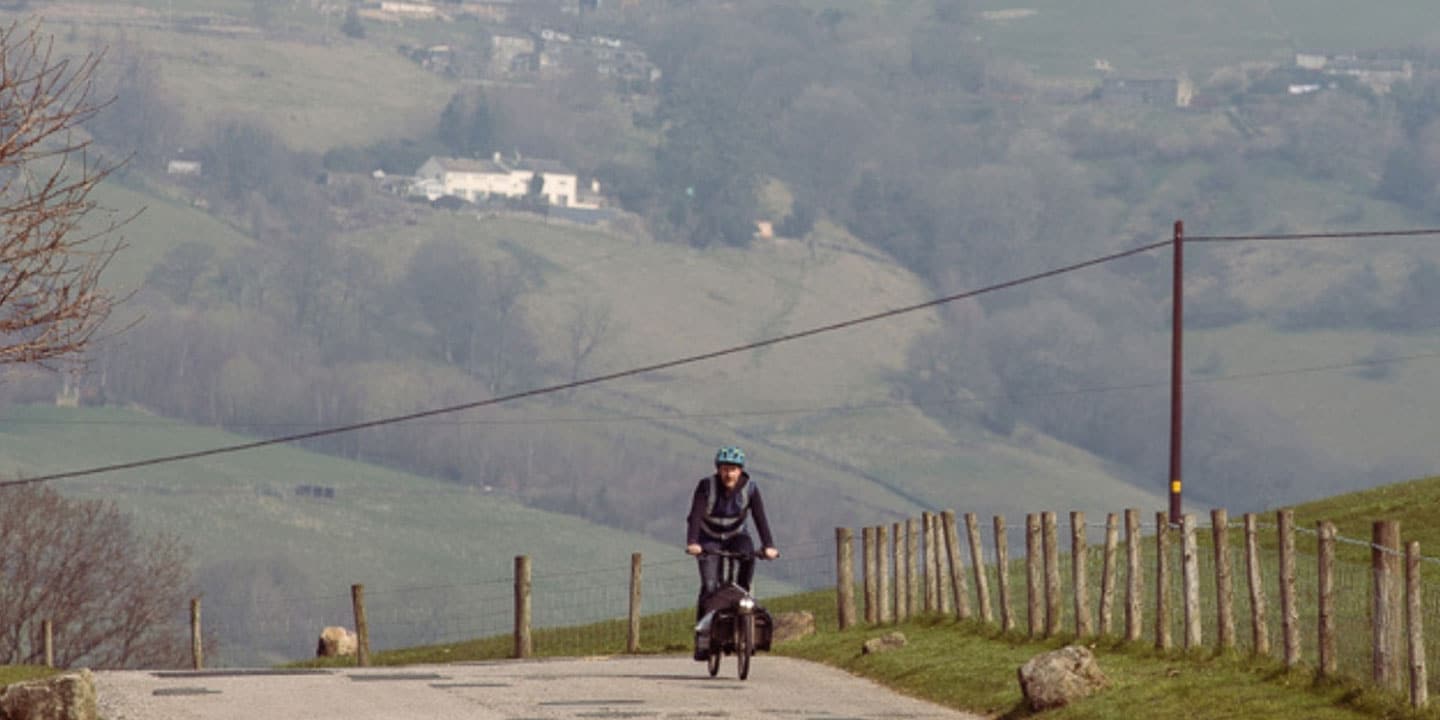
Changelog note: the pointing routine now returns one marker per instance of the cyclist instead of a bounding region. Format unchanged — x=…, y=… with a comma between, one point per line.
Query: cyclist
x=717, y=522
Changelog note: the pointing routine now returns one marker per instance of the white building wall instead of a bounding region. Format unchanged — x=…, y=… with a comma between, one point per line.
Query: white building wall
x=558, y=188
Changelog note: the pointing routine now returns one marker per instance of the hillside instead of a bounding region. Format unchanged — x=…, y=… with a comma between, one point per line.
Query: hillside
x=818, y=415
x=1143, y=38
x=257, y=541
x=921, y=176
x=1411, y=503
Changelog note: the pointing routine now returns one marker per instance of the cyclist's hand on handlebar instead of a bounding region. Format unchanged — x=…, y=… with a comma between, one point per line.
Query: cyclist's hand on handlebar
x=693, y=549
x=771, y=553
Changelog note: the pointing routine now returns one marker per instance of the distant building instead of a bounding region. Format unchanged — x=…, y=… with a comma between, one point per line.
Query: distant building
x=606, y=56
x=1371, y=69
x=184, y=167
x=512, y=54
x=408, y=9
x=1163, y=92
x=475, y=180
x=494, y=11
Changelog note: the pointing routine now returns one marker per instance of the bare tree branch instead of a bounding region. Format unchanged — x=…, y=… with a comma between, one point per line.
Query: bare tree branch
x=51, y=302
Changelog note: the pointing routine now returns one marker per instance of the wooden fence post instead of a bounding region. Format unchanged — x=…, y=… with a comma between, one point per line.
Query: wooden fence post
x=1162, y=581
x=977, y=563
x=1190, y=568
x=1002, y=575
x=48, y=630
x=1079, y=580
x=1224, y=582
x=1415, y=623
x=362, y=627
x=1052, y=573
x=944, y=575
x=912, y=572
x=927, y=565
x=1134, y=590
x=1289, y=608
x=867, y=570
x=1032, y=574
x=1387, y=624
x=523, y=644
x=197, y=651
x=957, y=565
x=935, y=564
x=844, y=577
x=902, y=572
x=632, y=637
x=1325, y=627
x=882, y=573
x=1107, y=573
x=1259, y=627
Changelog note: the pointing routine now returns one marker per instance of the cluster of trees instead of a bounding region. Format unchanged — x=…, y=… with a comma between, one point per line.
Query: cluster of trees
x=902, y=129
x=115, y=598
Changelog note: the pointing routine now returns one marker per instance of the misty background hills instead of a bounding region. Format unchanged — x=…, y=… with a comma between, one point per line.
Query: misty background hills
x=759, y=169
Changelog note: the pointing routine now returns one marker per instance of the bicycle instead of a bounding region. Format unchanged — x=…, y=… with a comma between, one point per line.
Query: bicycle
x=737, y=625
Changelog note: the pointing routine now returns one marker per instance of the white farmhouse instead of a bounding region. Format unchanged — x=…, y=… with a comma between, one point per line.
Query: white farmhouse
x=475, y=180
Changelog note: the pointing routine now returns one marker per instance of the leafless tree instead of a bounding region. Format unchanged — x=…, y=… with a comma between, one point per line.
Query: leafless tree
x=115, y=598
x=51, y=257
x=589, y=329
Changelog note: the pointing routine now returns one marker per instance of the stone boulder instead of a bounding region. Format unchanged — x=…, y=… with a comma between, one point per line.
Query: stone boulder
x=884, y=643
x=68, y=696
x=336, y=641
x=792, y=626
x=1058, y=678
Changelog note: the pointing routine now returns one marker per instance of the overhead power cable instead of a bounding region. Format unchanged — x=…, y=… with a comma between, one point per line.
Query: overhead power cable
x=810, y=409
x=690, y=360
x=1419, y=232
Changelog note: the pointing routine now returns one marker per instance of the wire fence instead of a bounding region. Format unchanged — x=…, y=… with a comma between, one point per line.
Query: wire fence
x=587, y=610
x=573, y=611
x=1351, y=600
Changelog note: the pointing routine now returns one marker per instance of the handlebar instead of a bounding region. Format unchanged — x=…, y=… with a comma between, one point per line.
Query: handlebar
x=757, y=554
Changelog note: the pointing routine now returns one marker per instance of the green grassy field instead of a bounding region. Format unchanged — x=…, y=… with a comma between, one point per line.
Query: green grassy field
x=158, y=225
x=20, y=673
x=314, y=95
x=395, y=528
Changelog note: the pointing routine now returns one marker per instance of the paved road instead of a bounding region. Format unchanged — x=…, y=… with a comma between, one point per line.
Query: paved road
x=665, y=688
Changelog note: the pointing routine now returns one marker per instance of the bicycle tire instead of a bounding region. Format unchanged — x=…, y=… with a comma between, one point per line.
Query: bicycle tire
x=745, y=647
x=714, y=661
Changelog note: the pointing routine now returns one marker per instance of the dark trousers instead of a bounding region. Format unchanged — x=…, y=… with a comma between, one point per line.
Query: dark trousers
x=710, y=566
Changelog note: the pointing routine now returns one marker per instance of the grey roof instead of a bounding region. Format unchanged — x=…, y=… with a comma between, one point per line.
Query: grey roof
x=503, y=167
x=470, y=165
x=544, y=166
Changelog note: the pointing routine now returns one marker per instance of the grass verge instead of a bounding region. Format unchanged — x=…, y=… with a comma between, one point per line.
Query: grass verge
x=20, y=673
x=970, y=666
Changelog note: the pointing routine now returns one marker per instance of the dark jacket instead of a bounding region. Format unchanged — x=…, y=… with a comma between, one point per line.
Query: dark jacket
x=732, y=507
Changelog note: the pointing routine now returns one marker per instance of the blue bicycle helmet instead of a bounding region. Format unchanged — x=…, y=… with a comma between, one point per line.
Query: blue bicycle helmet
x=730, y=455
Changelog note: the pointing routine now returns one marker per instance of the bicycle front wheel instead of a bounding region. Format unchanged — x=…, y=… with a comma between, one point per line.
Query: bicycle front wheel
x=745, y=646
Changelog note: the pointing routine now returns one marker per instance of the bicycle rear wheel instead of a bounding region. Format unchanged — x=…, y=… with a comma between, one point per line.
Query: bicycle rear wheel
x=714, y=661
x=745, y=647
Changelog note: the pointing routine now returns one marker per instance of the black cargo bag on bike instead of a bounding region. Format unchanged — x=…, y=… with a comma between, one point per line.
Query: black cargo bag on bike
x=726, y=599
x=764, y=628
